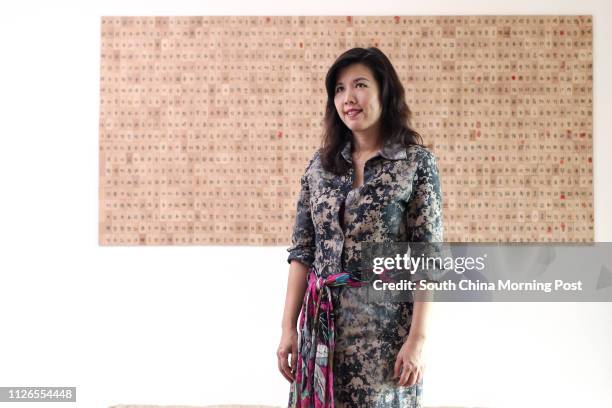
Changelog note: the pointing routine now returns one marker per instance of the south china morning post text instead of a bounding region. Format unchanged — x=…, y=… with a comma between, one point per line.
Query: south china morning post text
x=419, y=266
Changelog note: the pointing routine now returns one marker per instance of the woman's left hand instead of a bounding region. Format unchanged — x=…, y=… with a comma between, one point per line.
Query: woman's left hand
x=409, y=363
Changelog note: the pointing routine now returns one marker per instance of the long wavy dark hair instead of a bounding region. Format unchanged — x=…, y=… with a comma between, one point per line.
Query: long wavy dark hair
x=395, y=114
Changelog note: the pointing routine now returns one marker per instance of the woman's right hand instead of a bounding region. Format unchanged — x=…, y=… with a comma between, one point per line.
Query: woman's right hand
x=287, y=346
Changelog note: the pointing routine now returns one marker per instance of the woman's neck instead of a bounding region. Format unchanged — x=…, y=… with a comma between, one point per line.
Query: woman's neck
x=365, y=145
x=367, y=141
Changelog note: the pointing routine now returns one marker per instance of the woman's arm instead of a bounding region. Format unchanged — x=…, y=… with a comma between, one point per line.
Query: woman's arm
x=408, y=363
x=420, y=316
x=301, y=255
x=424, y=222
x=296, y=288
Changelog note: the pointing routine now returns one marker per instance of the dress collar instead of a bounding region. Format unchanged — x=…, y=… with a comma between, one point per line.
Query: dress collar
x=391, y=150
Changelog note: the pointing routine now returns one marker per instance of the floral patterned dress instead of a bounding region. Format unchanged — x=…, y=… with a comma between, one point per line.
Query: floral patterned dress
x=400, y=201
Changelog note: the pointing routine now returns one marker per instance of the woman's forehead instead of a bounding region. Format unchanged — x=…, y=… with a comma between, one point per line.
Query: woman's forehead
x=354, y=72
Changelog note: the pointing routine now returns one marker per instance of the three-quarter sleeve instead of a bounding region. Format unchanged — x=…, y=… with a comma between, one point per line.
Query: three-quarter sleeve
x=424, y=215
x=302, y=246
x=424, y=219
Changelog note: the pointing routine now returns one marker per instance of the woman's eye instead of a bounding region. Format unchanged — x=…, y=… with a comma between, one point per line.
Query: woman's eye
x=340, y=87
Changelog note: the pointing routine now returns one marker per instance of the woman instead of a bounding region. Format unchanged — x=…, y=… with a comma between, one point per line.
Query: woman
x=372, y=181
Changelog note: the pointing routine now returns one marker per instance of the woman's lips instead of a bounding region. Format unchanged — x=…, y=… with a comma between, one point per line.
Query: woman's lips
x=353, y=114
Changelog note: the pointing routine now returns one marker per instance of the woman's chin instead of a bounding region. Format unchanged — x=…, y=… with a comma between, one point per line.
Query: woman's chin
x=354, y=126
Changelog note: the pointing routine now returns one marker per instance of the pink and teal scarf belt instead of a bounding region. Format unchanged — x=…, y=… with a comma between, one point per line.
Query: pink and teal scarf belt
x=314, y=375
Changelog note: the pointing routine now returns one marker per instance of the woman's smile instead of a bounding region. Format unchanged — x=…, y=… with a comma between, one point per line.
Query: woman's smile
x=353, y=114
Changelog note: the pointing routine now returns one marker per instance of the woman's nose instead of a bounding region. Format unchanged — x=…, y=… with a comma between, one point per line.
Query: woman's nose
x=348, y=96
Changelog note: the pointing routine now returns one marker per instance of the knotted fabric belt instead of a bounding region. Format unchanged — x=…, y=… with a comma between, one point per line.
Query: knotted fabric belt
x=314, y=375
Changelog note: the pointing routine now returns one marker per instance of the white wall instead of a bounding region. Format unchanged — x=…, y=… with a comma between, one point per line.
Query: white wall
x=200, y=325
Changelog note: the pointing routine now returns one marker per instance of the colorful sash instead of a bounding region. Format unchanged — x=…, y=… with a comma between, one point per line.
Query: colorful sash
x=314, y=375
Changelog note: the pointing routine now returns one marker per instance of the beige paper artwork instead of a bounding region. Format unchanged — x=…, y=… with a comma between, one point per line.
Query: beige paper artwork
x=207, y=123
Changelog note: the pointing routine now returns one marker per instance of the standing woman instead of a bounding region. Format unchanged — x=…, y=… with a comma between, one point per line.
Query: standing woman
x=371, y=181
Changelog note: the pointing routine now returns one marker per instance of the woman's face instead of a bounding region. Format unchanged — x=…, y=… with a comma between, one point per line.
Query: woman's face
x=356, y=97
